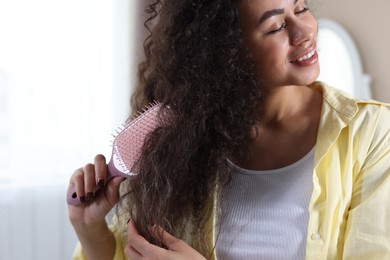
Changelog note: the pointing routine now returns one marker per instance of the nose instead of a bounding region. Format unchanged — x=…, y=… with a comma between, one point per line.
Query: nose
x=301, y=31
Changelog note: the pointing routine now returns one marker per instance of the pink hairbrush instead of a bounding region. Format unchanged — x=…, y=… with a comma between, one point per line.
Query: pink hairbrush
x=127, y=146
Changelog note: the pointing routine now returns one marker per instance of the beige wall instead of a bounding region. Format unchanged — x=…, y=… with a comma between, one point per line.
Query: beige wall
x=367, y=23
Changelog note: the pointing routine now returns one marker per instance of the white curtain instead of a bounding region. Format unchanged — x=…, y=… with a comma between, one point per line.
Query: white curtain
x=66, y=71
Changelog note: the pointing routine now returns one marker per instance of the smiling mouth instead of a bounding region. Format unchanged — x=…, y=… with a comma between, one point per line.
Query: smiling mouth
x=306, y=56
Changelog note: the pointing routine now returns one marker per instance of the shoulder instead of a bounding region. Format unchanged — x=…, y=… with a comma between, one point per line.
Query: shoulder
x=365, y=122
x=345, y=105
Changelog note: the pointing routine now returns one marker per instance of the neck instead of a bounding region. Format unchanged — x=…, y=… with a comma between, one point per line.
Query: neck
x=287, y=129
x=283, y=103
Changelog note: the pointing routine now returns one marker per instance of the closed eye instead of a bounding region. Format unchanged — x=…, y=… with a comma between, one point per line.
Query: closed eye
x=304, y=9
x=283, y=26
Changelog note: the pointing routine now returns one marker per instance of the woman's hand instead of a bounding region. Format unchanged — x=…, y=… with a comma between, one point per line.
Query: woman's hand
x=139, y=248
x=88, y=218
x=95, y=205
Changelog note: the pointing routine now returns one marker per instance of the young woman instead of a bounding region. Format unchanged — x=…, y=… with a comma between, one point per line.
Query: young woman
x=260, y=161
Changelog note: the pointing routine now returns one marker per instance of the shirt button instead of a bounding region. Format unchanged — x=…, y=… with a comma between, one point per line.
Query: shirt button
x=315, y=236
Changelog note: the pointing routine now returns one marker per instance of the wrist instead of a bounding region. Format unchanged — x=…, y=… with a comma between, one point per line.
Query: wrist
x=97, y=240
x=91, y=228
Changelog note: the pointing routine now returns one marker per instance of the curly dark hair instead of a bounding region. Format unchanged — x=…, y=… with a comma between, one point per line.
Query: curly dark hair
x=197, y=64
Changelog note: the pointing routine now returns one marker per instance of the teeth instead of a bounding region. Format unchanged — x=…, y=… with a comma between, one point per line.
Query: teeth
x=307, y=56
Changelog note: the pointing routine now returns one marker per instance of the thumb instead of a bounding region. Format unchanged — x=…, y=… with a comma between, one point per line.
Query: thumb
x=112, y=189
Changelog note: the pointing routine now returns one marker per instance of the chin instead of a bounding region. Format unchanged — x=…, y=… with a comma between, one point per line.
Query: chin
x=308, y=78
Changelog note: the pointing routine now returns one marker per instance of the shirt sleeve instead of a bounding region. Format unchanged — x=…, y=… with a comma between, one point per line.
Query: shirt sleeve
x=368, y=227
x=119, y=252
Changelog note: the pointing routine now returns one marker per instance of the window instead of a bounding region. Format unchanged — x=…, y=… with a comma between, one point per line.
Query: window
x=65, y=69
x=340, y=61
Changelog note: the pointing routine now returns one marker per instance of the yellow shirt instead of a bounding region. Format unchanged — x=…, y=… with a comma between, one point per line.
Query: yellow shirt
x=350, y=205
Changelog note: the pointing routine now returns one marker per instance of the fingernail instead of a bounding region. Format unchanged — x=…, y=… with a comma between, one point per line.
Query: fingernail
x=82, y=199
x=128, y=220
x=89, y=196
x=153, y=228
x=101, y=183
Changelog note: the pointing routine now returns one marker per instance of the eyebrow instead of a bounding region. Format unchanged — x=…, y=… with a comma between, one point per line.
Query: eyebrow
x=269, y=14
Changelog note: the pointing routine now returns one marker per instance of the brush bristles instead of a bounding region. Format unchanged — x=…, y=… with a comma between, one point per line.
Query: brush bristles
x=129, y=142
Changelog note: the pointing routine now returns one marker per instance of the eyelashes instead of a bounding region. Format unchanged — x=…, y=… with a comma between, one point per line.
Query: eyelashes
x=278, y=29
x=284, y=24
x=304, y=9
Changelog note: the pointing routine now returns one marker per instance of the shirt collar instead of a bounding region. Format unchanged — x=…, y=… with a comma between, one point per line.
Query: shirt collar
x=340, y=101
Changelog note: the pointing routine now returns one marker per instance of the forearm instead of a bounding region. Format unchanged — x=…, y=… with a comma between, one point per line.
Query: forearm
x=97, y=241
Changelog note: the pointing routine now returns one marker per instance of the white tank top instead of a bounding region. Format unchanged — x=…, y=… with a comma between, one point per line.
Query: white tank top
x=266, y=213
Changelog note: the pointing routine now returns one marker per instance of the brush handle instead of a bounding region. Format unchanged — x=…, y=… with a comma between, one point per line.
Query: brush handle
x=71, y=197
x=124, y=157
x=112, y=171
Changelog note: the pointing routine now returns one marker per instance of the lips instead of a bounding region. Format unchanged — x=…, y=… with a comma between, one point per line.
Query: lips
x=309, y=57
x=306, y=56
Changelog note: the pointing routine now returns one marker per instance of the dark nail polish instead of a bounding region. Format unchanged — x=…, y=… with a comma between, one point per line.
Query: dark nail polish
x=101, y=183
x=82, y=199
x=89, y=196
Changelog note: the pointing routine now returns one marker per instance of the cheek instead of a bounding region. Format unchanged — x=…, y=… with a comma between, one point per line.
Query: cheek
x=272, y=55
x=314, y=24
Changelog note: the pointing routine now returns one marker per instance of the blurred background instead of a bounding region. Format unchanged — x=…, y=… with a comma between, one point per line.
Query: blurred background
x=66, y=72
x=366, y=23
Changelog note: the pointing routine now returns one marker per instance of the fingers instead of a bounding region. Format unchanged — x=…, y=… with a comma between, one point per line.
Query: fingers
x=131, y=253
x=138, y=246
x=77, y=181
x=89, y=181
x=135, y=239
x=86, y=180
x=112, y=190
x=171, y=242
x=101, y=170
